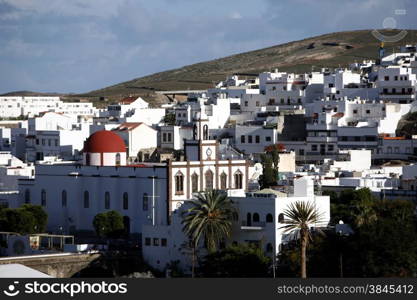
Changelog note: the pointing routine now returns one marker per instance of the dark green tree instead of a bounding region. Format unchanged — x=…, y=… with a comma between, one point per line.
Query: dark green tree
x=236, y=261
x=17, y=220
x=269, y=174
x=109, y=224
x=41, y=217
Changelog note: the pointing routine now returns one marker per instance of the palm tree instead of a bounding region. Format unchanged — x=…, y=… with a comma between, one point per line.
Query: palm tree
x=209, y=218
x=300, y=217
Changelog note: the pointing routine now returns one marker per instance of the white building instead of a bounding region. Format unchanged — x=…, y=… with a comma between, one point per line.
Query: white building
x=260, y=221
x=138, y=137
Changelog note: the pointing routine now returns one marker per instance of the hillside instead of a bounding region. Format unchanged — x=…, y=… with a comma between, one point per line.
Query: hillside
x=329, y=50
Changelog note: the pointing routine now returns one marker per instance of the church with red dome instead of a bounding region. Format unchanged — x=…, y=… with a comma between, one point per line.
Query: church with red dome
x=104, y=148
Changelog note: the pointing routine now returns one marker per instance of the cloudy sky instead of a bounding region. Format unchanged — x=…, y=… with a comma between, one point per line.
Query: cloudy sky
x=82, y=45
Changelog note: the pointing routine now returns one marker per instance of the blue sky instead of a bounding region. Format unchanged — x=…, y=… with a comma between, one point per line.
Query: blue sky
x=82, y=45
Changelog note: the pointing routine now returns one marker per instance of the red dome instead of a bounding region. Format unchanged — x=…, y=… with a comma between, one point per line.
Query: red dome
x=104, y=141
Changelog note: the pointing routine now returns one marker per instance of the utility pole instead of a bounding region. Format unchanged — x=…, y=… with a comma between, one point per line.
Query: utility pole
x=153, y=200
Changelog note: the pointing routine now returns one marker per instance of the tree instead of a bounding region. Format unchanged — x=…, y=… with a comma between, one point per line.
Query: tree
x=209, y=219
x=109, y=224
x=237, y=261
x=41, y=217
x=269, y=176
x=301, y=216
x=17, y=220
x=26, y=219
x=169, y=119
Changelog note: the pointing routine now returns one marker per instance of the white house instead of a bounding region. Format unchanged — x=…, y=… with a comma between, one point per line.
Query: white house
x=137, y=137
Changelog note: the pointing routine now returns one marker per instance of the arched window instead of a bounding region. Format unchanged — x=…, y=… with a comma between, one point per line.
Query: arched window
x=269, y=247
x=27, y=196
x=209, y=180
x=194, y=183
x=106, y=200
x=179, y=183
x=43, y=198
x=86, y=199
x=269, y=218
x=238, y=180
x=125, y=200
x=281, y=218
x=64, y=198
x=255, y=217
x=205, y=132
x=223, y=181
x=145, y=203
x=118, y=159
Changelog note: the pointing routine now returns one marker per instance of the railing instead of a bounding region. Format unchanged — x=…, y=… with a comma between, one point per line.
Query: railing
x=253, y=224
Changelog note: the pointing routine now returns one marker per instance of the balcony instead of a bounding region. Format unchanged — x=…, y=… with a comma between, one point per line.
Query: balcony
x=322, y=139
x=252, y=225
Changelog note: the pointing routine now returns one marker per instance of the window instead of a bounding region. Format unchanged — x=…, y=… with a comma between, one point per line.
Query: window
x=64, y=198
x=242, y=139
x=395, y=78
x=301, y=152
x=246, y=103
x=223, y=181
x=49, y=143
x=385, y=91
x=281, y=218
x=257, y=103
x=269, y=248
x=255, y=218
x=125, y=200
x=179, y=183
x=257, y=139
x=56, y=143
x=386, y=78
x=194, y=183
x=368, y=111
x=27, y=196
x=238, y=180
x=145, y=202
x=355, y=111
x=86, y=199
x=164, y=137
x=249, y=139
x=118, y=159
x=155, y=241
x=330, y=147
x=209, y=180
x=37, y=141
x=313, y=147
x=43, y=198
x=205, y=132
x=87, y=159
x=269, y=218
x=169, y=137
x=147, y=241
x=267, y=138
x=163, y=242
x=106, y=200
x=43, y=142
